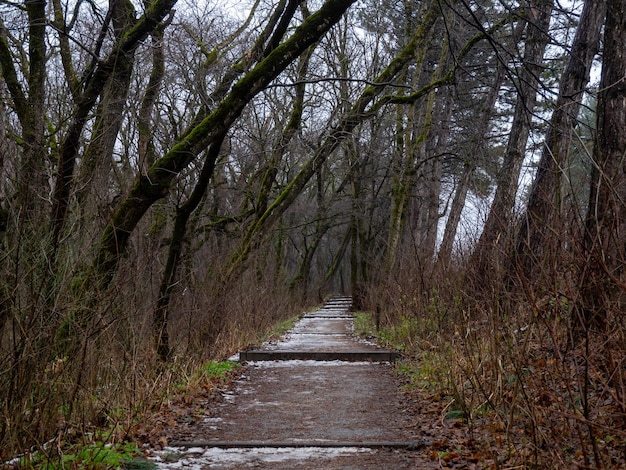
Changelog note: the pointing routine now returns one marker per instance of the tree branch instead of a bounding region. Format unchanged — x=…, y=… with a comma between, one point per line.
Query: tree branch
x=155, y=184
x=338, y=79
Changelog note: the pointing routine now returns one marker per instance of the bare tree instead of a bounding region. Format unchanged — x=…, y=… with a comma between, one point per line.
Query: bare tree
x=496, y=227
x=601, y=277
x=155, y=184
x=542, y=230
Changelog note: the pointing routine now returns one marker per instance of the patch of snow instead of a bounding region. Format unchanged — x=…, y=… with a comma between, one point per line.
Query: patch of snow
x=309, y=363
x=313, y=342
x=213, y=420
x=199, y=458
x=366, y=341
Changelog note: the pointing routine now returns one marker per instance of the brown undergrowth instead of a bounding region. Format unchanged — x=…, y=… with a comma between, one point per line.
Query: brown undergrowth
x=101, y=392
x=528, y=392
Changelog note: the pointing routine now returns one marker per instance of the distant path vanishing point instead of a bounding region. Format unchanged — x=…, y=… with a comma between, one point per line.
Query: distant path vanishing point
x=318, y=399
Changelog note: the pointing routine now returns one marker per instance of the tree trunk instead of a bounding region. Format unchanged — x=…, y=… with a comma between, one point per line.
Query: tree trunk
x=335, y=265
x=475, y=154
x=497, y=227
x=322, y=224
x=602, y=283
x=145, y=146
x=444, y=256
x=168, y=280
x=432, y=180
x=94, y=174
x=411, y=157
x=32, y=181
x=359, y=257
x=542, y=229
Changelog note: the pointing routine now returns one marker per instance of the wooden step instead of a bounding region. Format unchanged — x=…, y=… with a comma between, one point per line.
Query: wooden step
x=348, y=356
x=300, y=444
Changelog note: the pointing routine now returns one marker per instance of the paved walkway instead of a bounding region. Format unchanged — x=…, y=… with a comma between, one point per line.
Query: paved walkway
x=314, y=412
x=325, y=334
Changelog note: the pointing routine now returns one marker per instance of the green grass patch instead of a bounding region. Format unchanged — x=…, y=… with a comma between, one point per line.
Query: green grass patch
x=218, y=370
x=97, y=455
x=279, y=329
x=403, y=335
x=428, y=371
x=211, y=373
x=364, y=324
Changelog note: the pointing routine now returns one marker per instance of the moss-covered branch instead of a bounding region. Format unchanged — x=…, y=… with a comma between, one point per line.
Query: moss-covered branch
x=84, y=103
x=9, y=74
x=156, y=182
x=357, y=114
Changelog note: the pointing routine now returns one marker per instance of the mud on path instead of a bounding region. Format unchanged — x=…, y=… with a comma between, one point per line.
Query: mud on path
x=304, y=413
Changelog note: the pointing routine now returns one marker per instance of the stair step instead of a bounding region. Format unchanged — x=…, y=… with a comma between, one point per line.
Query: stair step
x=348, y=356
x=299, y=444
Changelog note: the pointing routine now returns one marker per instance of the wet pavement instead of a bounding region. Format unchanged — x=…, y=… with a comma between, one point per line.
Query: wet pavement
x=310, y=413
x=323, y=335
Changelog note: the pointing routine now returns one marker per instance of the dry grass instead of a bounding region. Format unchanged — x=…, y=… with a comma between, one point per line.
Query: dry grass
x=535, y=393
x=109, y=376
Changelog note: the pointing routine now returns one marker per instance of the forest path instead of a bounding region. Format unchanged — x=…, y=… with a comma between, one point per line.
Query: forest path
x=308, y=409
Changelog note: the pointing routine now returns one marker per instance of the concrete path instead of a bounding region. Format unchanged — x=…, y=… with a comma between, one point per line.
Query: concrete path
x=325, y=334
x=314, y=412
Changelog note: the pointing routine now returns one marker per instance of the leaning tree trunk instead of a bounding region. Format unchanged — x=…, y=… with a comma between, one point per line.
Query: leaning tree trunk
x=168, y=279
x=471, y=162
x=602, y=285
x=155, y=184
x=478, y=136
x=493, y=238
x=542, y=229
x=94, y=172
x=183, y=213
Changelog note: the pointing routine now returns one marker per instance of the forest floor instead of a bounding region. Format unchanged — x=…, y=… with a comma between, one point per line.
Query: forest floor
x=312, y=414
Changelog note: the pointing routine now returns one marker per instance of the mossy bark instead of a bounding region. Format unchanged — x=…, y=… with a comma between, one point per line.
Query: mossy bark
x=154, y=185
x=357, y=114
x=168, y=279
x=420, y=122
